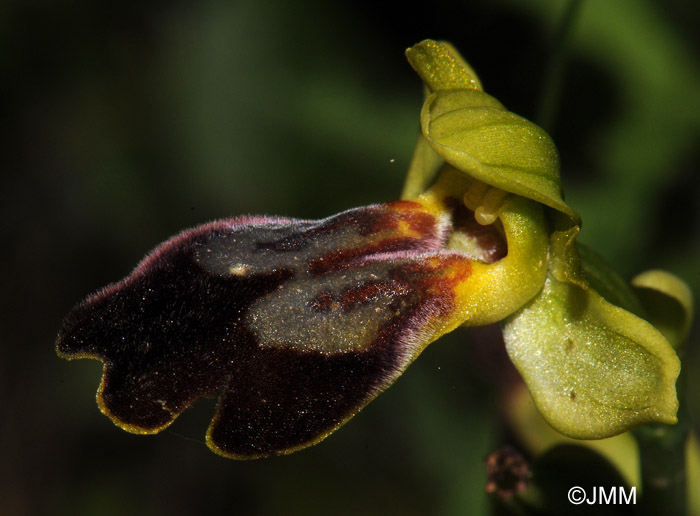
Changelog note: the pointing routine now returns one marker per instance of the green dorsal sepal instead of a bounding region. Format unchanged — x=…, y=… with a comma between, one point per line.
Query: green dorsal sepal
x=477, y=135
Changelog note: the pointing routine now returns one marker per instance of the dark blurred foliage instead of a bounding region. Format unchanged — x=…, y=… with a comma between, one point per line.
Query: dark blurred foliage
x=123, y=123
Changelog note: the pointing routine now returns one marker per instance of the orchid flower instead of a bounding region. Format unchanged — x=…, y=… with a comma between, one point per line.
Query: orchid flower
x=296, y=325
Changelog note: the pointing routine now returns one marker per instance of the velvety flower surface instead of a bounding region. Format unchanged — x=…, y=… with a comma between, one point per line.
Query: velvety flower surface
x=295, y=325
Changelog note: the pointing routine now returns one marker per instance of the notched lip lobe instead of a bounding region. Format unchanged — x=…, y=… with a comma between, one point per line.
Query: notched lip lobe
x=432, y=243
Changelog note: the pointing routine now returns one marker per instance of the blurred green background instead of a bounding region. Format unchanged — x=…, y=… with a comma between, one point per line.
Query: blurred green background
x=123, y=123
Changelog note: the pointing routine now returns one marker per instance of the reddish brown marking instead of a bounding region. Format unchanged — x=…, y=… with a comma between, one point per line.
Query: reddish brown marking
x=344, y=258
x=458, y=263
x=370, y=225
x=413, y=213
x=404, y=205
x=430, y=294
x=387, y=216
x=352, y=297
x=436, y=282
x=402, y=211
x=421, y=222
x=368, y=220
x=370, y=291
x=324, y=302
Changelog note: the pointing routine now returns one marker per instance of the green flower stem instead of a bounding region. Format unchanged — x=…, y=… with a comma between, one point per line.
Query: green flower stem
x=663, y=469
x=552, y=87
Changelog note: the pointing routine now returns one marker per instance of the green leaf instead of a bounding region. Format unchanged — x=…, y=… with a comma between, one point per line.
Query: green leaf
x=594, y=370
x=607, y=282
x=669, y=303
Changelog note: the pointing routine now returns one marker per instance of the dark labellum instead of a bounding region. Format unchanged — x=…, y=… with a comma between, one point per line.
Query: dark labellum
x=294, y=325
